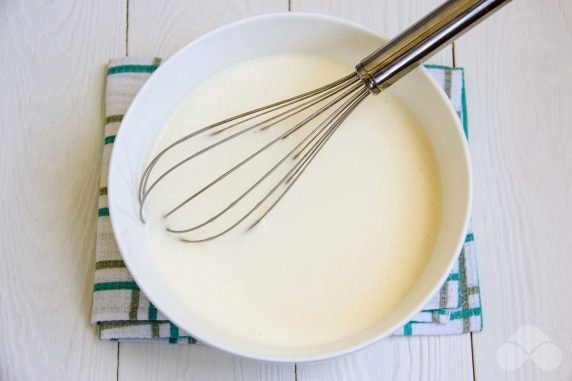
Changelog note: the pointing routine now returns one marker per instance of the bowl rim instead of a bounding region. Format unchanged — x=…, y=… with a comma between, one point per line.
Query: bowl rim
x=326, y=355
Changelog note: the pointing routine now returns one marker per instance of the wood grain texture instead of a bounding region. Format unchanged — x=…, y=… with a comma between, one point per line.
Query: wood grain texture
x=398, y=358
x=140, y=362
x=386, y=17
x=52, y=56
x=160, y=28
x=418, y=358
x=519, y=79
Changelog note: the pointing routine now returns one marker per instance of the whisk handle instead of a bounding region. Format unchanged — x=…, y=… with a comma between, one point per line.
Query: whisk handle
x=422, y=40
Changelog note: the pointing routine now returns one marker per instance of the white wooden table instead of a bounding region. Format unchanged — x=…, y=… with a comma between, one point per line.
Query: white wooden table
x=53, y=55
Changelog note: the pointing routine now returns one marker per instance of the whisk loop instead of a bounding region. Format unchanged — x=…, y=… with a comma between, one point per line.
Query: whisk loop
x=345, y=93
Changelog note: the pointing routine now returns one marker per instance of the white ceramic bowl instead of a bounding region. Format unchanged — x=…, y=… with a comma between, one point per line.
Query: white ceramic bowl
x=263, y=35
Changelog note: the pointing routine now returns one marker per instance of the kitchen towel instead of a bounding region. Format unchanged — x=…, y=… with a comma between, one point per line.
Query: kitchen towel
x=122, y=311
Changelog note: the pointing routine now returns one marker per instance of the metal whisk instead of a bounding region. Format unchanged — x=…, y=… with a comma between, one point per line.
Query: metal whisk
x=327, y=107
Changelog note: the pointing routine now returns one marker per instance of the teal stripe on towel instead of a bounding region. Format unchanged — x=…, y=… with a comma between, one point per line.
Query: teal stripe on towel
x=132, y=69
x=105, y=286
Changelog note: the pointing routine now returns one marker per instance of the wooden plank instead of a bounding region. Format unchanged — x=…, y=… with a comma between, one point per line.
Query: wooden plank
x=520, y=90
x=160, y=29
x=423, y=358
x=140, y=362
x=399, y=358
x=415, y=358
x=386, y=17
x=51, y=126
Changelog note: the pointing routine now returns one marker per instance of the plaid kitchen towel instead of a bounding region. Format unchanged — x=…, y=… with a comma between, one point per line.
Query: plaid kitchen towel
x=124, y=313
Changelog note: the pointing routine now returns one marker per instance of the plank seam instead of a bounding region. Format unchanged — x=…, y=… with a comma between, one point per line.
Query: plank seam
x=117, y=369
x=454, y=64
x=126, y=28
x=473, y=358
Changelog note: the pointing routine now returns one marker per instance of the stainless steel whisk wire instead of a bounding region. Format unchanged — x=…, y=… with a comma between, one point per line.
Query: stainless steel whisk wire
x=373, y=74
x=144, y=191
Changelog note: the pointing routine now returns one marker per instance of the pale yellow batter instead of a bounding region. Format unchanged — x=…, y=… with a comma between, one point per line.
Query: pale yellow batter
x=338, y=252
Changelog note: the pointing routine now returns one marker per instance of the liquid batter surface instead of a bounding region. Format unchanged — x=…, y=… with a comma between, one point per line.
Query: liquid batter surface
x=338, y=252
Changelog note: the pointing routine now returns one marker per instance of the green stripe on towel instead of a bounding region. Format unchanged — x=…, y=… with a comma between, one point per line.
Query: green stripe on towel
x=442, y=67
x=106, y=286
x=463, y=314
x=113, y=118
x=465, y=118
x=152, y=313
x=115, y=264
x=155, y=329
x=132, y=69
x=134, y=306
x=408, y=329
x=174, y=333
x=453, y=276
